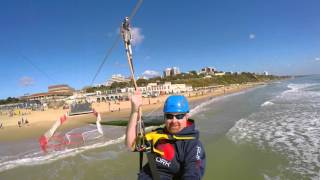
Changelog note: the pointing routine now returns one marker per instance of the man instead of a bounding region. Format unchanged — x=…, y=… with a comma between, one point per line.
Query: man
x=183, y=156
x=126, y=34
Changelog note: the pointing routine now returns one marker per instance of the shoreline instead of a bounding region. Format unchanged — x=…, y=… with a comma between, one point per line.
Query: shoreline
x=41, y=121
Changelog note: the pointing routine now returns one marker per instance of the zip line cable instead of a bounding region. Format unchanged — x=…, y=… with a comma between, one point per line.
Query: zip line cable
x=133, y=13
x=115, y=43
x=39, y=69
x=135, y=9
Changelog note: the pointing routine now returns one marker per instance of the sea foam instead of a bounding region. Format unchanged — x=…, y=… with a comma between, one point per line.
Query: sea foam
x=291, y=126
x=267, y=103
x=37, y=157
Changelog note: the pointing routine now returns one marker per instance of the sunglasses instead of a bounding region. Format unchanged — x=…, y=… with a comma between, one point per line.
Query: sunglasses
x=178, y=116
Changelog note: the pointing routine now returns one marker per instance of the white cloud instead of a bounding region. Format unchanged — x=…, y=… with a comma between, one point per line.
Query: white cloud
x=252, y=36
x=317, y=59
x=150, y=73
x=137, y=36
x=26, y=81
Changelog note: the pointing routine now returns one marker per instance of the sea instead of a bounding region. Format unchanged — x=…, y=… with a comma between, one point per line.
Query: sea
x=270, y=132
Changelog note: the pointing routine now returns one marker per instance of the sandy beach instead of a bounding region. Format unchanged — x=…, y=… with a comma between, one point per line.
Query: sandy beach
x=41, y=121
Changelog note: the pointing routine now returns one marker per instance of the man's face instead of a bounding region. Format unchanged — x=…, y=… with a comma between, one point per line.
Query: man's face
x=175, y=122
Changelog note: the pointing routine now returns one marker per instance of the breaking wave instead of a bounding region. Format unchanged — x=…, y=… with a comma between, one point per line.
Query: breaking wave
x=267, y=103
x=37, y=157
x=291, y=126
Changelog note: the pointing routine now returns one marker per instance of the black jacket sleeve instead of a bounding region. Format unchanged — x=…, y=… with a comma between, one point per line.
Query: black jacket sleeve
x=194, y=161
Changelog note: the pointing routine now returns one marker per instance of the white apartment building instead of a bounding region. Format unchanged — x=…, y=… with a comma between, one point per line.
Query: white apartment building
x=167, y=88
x=207, y=70
x=171, y=71
x=117, y=78
x=155, y=89
x=167, y=72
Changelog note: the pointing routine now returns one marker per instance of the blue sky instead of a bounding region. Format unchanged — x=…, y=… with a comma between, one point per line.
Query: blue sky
x=46, y=42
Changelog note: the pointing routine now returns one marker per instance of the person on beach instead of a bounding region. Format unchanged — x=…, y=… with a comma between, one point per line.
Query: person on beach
x=183, y=154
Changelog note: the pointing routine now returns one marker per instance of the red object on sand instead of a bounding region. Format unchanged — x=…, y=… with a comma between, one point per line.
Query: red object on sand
x=63, y=119
x=43, y=141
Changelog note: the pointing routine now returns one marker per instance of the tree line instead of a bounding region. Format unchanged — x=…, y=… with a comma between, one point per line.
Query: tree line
x=10, y=100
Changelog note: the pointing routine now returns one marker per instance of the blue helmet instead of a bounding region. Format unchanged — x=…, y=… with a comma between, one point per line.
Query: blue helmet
x=176, y=104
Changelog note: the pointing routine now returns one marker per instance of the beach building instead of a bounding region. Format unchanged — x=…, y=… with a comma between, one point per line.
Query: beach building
x=117, y=78
x=151, y=90
x=171, y=72
x=167, y=72
x=55, y=93
x=207, y=71
x=219, y=74
x=64, y=88
x=166, y=88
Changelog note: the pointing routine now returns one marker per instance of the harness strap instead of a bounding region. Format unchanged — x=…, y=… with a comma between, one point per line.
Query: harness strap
x=141, y=160
x=154, y=137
